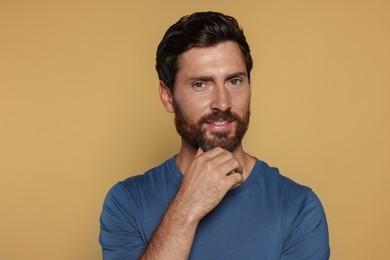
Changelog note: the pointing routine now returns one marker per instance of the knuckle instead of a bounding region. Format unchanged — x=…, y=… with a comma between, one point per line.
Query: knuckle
x=239, y=178
x=234, y=164
x=219, y=149
x=228, y=154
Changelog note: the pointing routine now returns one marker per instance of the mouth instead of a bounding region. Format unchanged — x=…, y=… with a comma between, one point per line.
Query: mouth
x=221, y=125
x=218, y=122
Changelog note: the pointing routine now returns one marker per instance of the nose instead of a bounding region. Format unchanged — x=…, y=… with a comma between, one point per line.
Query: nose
x=221, y=99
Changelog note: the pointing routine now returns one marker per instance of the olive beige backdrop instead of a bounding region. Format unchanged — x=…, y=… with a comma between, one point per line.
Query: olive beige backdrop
x=80, y=111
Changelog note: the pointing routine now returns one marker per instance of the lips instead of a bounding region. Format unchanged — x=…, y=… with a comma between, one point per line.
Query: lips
x=219, y=125
x=218, y=122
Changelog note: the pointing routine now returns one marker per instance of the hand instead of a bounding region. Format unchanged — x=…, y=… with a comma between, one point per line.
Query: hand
x=207, y=180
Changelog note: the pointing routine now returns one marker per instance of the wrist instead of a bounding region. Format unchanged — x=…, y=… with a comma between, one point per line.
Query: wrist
x=182, y=214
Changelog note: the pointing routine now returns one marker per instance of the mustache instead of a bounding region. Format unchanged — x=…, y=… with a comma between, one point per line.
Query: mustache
x=218, y=115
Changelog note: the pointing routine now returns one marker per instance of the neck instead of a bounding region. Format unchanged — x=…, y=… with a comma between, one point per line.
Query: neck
x=188, y=152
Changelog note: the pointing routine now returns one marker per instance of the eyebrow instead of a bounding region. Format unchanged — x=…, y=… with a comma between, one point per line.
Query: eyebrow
x=238, y=74
x=209, y=78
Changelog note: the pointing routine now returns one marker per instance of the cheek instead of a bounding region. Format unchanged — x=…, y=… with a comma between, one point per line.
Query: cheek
x=194, y=106
x=242, y=102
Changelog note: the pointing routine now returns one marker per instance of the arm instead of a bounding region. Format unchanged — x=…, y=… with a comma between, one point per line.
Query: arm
x=208, y=178
x=120, y=237
x=308, y=231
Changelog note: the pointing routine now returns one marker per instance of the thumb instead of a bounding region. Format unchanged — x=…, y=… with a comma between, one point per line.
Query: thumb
x=199, y=152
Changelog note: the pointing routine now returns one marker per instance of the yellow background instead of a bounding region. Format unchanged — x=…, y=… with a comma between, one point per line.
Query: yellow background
x=80, y=111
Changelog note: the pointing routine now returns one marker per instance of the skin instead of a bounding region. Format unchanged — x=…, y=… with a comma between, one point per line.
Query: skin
x=208, y=78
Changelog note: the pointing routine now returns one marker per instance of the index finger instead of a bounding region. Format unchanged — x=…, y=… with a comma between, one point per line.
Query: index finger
x=212, y=153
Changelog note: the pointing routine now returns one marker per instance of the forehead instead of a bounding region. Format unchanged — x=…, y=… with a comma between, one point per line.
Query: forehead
x=222, y=58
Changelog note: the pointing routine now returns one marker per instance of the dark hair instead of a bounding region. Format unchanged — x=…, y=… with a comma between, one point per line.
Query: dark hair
x=202, y=29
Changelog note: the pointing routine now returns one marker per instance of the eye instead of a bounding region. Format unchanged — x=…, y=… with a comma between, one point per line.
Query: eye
x=235, y=82
x=199, y=85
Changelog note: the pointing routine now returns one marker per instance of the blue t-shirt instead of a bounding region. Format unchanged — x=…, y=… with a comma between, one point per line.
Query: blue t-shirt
x=267, y=217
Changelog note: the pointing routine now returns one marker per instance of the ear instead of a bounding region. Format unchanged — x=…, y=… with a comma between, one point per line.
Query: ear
x=166, y=97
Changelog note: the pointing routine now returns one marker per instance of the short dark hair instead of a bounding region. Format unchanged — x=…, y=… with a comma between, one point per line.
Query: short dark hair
x=201, y=29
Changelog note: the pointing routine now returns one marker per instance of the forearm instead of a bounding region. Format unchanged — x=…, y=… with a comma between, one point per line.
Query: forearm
x=174, y=236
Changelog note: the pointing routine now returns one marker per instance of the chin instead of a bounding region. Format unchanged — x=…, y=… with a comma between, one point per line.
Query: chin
x=229, y=146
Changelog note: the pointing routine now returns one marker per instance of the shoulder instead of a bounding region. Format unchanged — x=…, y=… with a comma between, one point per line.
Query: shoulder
x=271, y=177
x=146, y=188
x=301, y=199
x=298, y=198
x=305, y=225
x=125, y=199
x=150, y=179
x=291, y=190
x=123, y=223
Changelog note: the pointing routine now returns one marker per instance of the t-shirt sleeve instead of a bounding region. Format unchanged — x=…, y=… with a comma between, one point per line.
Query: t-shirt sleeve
x=120, y=236
x=307, y=230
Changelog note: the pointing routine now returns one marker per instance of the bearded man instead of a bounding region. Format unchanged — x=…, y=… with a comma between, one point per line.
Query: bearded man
x=212, y=200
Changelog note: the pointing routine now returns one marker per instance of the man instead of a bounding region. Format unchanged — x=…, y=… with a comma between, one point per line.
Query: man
x=212, y=200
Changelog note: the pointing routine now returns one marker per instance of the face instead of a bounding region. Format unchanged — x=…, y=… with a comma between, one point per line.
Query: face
x=211, y=97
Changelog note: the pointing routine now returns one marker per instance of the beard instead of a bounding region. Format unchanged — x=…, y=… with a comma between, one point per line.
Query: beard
x=198, y=136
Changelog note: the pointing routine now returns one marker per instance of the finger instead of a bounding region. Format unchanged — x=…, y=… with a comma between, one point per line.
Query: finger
x=215, y=152
x=231, y=165
x=234, y=180
x=232, y=172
